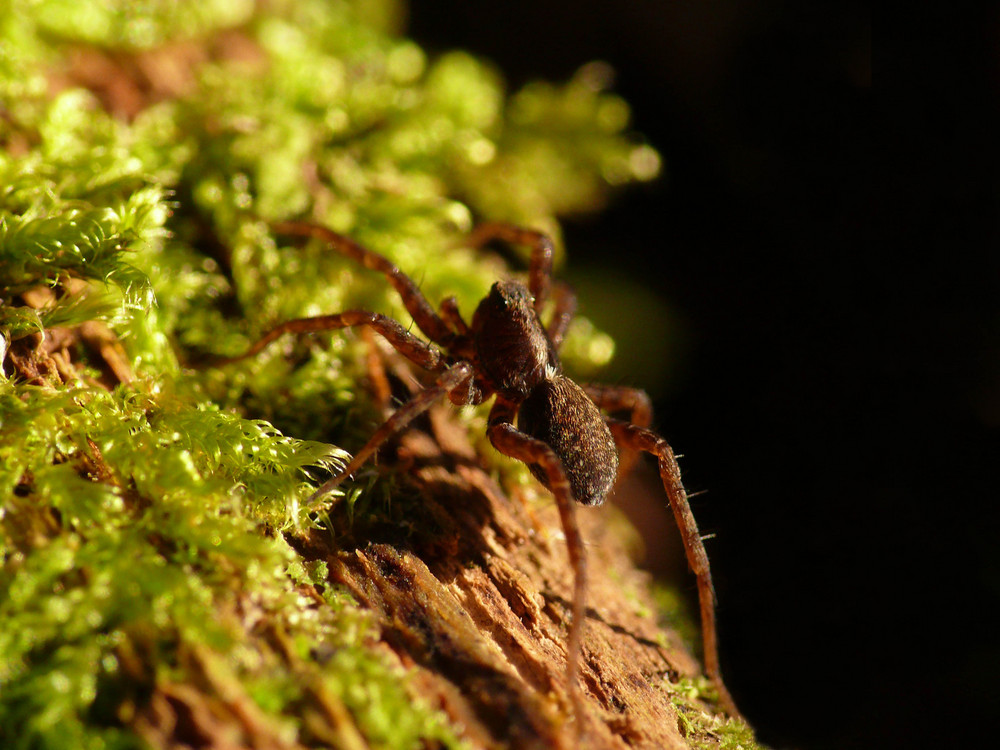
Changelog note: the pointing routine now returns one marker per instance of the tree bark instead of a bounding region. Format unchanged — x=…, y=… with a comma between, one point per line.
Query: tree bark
x=476, y=601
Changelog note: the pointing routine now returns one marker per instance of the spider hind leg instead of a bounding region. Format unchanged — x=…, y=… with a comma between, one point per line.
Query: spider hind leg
x=643, y=439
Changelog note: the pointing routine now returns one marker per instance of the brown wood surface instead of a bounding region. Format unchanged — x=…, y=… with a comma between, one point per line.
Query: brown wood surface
x=476, y=600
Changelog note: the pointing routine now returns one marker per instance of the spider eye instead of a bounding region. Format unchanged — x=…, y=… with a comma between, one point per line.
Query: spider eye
x=511, y=295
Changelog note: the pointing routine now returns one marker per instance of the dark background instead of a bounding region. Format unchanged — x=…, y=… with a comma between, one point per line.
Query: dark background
x=831, y=259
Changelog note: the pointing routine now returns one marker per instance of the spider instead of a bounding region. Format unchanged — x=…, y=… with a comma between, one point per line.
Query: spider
x=540, y=416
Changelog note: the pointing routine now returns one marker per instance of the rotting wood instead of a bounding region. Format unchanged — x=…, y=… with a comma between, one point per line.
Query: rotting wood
x=476, y=602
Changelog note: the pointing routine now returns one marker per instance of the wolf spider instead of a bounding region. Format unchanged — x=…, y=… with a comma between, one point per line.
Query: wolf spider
x=507, y=352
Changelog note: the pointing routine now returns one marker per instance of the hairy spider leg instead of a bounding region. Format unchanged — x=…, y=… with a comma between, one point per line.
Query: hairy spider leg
x=413, y=348
x=451, y=379
x=377, y=377
x=450, y=314
x=640, y=438
x=542, y=250
x=562, y=313
x=517, y=445
x=615, y=398
x=413, y=299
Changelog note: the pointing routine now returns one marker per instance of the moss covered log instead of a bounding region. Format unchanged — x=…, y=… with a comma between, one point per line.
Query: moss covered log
x=163, y=581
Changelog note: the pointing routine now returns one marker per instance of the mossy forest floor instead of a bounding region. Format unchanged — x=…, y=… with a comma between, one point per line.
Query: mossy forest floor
x=163, y=581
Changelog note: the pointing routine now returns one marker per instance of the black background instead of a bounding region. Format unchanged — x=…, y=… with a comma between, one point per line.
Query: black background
x=832, y=252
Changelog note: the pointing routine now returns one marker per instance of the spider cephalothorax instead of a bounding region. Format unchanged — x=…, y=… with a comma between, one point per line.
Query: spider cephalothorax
x=539, y=416
x=512, y=349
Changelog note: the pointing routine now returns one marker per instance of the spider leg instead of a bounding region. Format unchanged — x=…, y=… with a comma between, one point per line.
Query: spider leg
x=512, y=442
x=413, y=348
x=540, y=270
x=451, y=316
x=565, y=309
x=614, y=398
x=617, y=398
x=450, y=379
x=381, y=389
x=640, y=438
x=416, y=304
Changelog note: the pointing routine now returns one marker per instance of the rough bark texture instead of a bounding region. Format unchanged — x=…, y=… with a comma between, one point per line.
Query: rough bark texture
x=478, y=607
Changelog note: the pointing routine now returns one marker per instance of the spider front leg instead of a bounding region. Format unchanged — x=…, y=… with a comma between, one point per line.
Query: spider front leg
x=451, y=316
x=542, y=250
x=455, y=380
x=416, y=304
x=414, y=349
x=641, y=438
x=562, y=314
x=513, y=443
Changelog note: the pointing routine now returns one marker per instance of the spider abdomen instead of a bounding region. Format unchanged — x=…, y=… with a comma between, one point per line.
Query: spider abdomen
x=559, y=413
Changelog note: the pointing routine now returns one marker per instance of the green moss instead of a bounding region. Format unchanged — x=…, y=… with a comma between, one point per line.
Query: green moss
x=121, y=24
x=675, y=613
x=140, y=523
x=704, y=731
